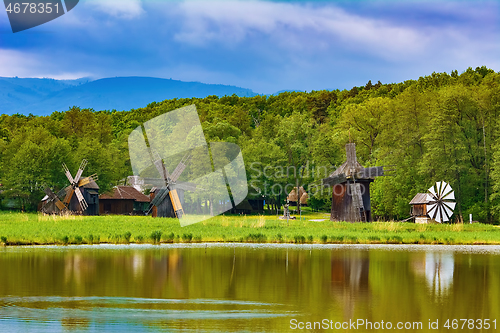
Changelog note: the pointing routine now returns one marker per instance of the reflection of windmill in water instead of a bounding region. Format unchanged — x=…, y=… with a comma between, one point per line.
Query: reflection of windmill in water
x=437, y=268
x=80, y=197
x=350, y=279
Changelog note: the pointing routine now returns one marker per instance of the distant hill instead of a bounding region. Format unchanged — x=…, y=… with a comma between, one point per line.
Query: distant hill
x=44, y=96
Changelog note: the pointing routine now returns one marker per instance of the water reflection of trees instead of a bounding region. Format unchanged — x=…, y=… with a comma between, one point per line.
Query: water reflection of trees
x=337, y=284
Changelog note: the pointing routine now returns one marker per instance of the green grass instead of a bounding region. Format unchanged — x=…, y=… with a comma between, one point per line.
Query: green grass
x=32, y=229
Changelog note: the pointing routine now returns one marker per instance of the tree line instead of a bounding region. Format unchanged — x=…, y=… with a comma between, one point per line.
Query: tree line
x=439, y=127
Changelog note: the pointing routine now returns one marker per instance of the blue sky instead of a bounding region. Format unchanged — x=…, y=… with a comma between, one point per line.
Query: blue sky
x=266, y=46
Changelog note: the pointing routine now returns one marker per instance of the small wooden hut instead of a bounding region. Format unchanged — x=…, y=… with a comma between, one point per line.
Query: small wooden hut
x=123, y=200
x=351, y=189
x=252, y=204
x=419, y=208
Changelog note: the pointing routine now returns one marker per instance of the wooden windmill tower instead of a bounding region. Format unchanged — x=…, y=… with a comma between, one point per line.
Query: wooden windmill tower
x=169, y=194
x=80, y=196
x=351, y=189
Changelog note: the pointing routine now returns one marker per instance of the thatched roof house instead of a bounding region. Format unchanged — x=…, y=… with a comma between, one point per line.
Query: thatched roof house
x=292, y=196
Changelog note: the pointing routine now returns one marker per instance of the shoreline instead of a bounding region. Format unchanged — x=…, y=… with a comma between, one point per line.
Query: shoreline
x=166, y=246
x=31, y=229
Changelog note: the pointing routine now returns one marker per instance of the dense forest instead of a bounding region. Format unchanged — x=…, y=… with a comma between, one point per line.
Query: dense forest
x=439, y=127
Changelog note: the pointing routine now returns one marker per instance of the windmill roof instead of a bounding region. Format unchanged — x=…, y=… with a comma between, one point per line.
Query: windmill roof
x=125, y=193
x=419, y=198
x=351, y=166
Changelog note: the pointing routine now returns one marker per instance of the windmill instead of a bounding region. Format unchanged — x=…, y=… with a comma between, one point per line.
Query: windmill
x=351, y=188
x=440, y=202
x=169, y=193
x=75, y=186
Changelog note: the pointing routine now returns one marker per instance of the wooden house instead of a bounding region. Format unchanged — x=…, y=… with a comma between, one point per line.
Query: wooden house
x=351, y=189
x=123, y=200
x=252, y=204
x=419, y=208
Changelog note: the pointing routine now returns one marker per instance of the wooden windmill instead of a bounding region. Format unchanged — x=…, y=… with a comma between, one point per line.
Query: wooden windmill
x=78, y=186
x=169, y=194
x=351, y=188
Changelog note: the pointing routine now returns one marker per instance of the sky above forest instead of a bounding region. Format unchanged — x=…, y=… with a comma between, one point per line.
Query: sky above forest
x=267, y=46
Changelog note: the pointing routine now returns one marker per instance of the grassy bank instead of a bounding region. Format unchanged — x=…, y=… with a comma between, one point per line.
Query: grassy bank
x=27, y=229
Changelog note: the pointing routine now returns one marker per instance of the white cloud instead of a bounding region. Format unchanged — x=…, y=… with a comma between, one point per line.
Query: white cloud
x=23, y=64
x=127, y=9
x=294, y=26
x=309, y=29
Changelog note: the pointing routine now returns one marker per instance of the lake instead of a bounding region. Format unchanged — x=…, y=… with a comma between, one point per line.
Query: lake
x=249, y=288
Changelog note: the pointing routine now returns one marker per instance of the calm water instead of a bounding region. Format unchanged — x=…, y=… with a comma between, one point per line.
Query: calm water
x=245, y=288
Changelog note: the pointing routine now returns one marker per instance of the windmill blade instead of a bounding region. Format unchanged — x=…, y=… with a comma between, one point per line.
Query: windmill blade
x=158, y=162
x=68, y=196
x=87, y=180
x=81, y=199
x=434, y=194
x=450, y=205
x=431, y=210
x=439, y=214
x=154, y=182
x=176, y=203
x=80, y=171
x=445, y=190
x=337, y=179
x=180, y=167
x=63, y=191
x=54, y=198
x=448, y=213
x=450, y=196
x=185, y=186
x=160, y=196
x=439, y=187
x=67, y=173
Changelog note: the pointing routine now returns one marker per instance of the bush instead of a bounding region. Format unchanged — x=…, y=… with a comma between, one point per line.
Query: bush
x=169, y=238
x=187, y=237
x=299, y=239
x=257, y=238
x=3, y=239
x=127, y=236
x=324, y=239
x=156, y=236
x=78, y=239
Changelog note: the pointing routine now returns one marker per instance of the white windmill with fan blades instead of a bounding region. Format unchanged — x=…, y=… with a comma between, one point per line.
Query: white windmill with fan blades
x=440, y=202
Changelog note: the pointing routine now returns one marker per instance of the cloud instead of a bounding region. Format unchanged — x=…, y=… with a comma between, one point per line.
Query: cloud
x=298, y=27
x=25, y=64
x=127, y=9
x=294, y=26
